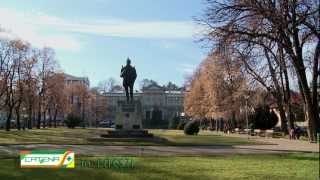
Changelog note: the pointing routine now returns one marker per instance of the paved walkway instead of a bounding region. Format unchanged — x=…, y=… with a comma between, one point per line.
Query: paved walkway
x=284, y=145
x=270, y=145
x=280, y=144
x=162, y=150
x=137, y=150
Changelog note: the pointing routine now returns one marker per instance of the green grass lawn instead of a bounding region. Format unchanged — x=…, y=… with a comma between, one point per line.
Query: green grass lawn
x=203, y=138
x=91, y=136
x=285, y=166
x=282, y=167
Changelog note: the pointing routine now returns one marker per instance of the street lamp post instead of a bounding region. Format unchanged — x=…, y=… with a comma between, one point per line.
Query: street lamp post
x=24, y=115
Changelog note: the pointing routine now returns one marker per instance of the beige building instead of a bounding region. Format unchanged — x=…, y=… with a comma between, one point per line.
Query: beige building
x=70, y=79
x=73, y=84
x=77, y=92
x=158, y=104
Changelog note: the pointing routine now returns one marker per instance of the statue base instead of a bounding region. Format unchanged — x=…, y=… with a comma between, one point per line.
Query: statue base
x=127, y=134
x=129, y=115
x=128, y=122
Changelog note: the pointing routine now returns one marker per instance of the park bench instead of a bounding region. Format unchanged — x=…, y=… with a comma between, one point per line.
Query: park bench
x=237, y=130
x=264, y=133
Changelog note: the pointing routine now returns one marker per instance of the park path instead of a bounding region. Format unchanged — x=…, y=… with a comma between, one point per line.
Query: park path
x=278, y=144
x=267, y=146
x=137, y=150
x=275, y=146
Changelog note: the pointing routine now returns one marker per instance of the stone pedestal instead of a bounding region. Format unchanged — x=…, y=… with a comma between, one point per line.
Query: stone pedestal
x=128, y=122
x=129, y=115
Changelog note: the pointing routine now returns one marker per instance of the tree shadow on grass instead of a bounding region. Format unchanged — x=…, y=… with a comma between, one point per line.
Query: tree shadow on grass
x=299, y=156
x=132, y=141
x=156, y=173
x=10, y=169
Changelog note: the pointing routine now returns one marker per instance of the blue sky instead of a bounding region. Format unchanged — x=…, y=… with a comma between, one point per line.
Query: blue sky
x=94, y=38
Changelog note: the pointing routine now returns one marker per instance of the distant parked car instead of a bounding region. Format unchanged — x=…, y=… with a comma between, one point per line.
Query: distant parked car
x=106, y=124
x=3, y=123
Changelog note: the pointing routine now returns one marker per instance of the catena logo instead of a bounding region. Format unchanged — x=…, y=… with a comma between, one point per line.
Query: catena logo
x=47, y=159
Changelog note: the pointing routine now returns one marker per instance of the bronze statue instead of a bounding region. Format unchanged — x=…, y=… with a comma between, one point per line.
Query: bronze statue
x=129, y=75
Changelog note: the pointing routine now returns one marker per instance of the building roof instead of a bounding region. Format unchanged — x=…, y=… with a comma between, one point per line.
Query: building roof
x=152, y=88
x=69, y=77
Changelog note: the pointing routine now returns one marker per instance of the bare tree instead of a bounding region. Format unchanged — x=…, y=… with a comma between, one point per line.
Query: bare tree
x=107, y=85
x=57, y=99
x=147, y=82
x=30, y=87
x=292, y=25
x=97, y=107
x=216, y=88
x=13, y=80
x=194, y=98
x=78, y=95
x=46, y=67
x=25, y=86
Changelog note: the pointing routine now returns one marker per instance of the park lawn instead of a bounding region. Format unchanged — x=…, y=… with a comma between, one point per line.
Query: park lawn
x=276, y=167
x=92, y=136
x=177, y=137
x=49, y=135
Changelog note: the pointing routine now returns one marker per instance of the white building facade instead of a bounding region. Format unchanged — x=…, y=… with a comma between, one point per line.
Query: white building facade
x=158, y=104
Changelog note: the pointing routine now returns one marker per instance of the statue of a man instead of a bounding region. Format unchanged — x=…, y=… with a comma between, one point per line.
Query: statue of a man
x=129, y=75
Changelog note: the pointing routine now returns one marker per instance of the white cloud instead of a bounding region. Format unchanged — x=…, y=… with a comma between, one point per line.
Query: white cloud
x=121, y=28
x=154, y=29
x=6, y=35
x=24, y=26
x=41, y=29
x=187, y=69
x=168, y=44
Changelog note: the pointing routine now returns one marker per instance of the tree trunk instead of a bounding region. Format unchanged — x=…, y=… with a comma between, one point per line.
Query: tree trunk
x=18, y=117
x=298, y=63
x=29, y=123
x=83, y=114
x=44, y=124
x=286, y=88
x=8, y=123
x=50, y=117
x=39, y=117
x=282, y=113
x=311, y=115
x=33, y=118
x=277, y=94
x=288, y=100
x=315, y=78
x=55, y=117
x=24, y=123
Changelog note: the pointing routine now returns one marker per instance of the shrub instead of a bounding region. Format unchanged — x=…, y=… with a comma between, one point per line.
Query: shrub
x=174, y=122
x=263, y=118
x=191, y=128
x=181, y=125
x=72, y=121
